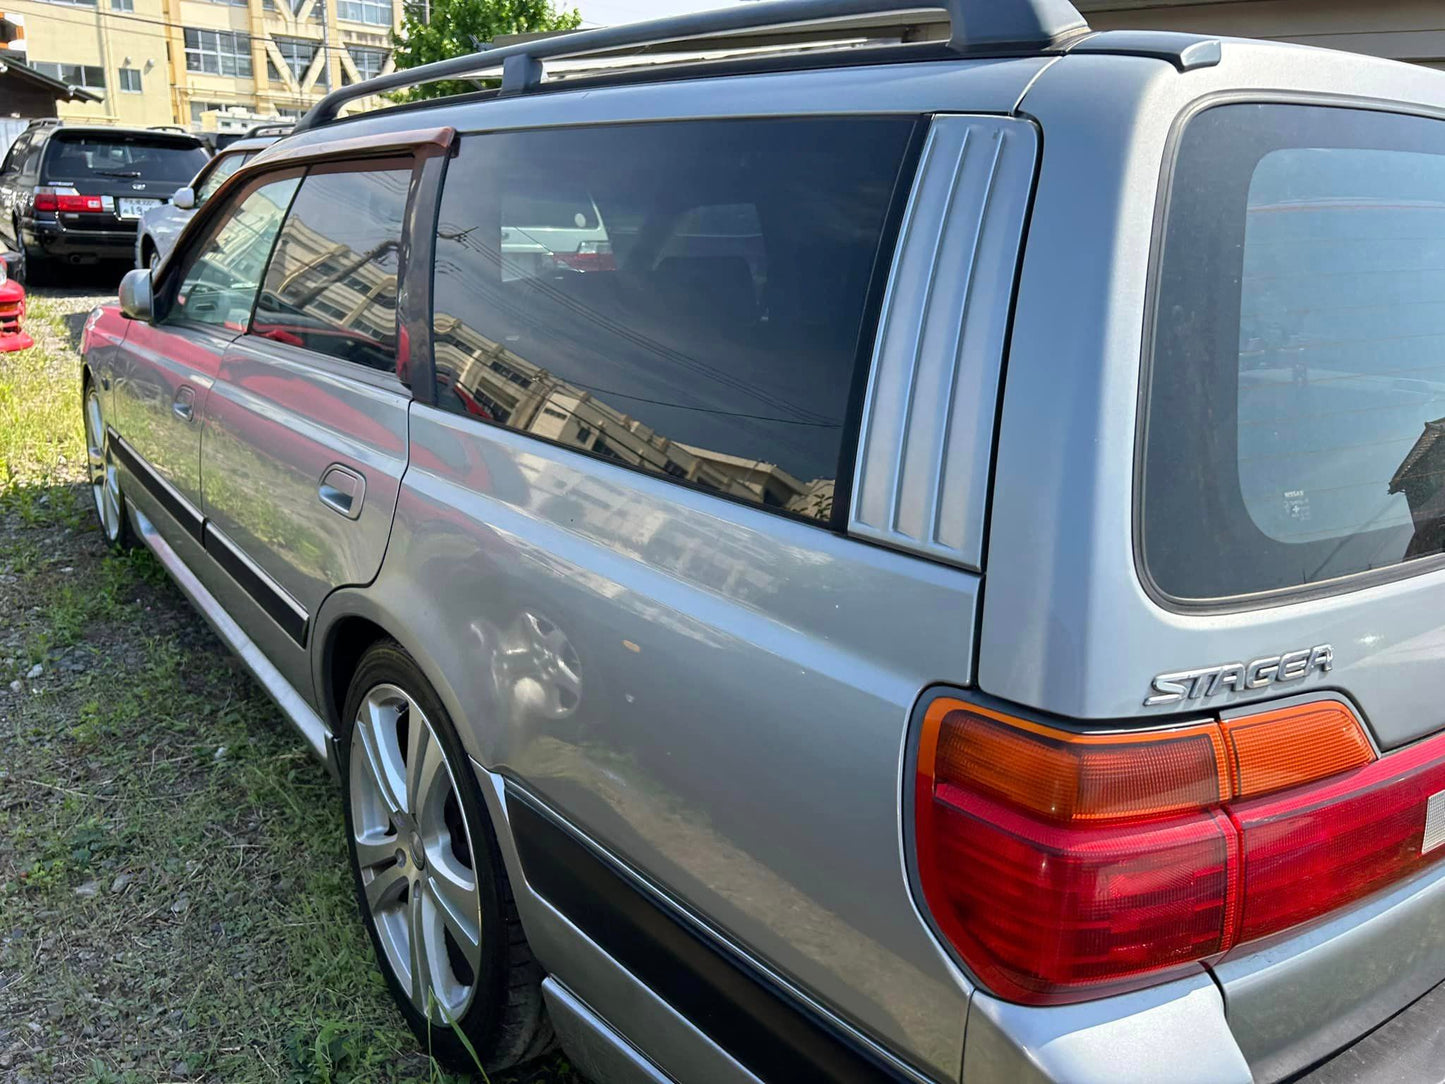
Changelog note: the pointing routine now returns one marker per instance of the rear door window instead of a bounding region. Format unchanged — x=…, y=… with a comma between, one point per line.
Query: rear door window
x=332, y=284
x=75, y=158
x=1296, y=406
x=687, y=298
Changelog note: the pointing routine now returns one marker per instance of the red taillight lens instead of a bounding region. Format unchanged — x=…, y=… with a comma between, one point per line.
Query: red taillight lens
x=1042, y=911
x=1064, y=866
x=84, y=204
x=52, y=198
x=590, y=256
x=1321, y=847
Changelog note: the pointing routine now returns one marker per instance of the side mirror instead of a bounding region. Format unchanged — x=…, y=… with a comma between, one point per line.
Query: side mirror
x=135, y=294
x=185, y=198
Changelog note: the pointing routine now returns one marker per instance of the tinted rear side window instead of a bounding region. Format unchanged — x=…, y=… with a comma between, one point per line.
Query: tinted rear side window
x=1296, y=405
x=683, y=298
x=78, y=157
x=332, y=282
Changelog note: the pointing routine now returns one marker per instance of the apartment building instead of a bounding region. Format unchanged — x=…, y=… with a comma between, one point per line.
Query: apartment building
x=173, y=61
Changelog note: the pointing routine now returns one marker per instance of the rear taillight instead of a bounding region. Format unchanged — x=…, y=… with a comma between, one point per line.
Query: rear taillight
x=52, y=198
x=1064, y=866
x=590, y=256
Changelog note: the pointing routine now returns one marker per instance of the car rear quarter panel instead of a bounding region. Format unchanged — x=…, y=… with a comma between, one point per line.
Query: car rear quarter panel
x=1067, y=624
x=745, y=684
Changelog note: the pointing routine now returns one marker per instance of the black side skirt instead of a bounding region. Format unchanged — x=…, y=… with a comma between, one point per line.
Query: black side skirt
x=741, y=1010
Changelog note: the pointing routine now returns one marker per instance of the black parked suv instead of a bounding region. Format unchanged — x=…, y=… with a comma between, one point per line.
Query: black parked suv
x=74, y=194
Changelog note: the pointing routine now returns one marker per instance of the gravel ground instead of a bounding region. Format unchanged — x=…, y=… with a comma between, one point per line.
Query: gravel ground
x=175, y=902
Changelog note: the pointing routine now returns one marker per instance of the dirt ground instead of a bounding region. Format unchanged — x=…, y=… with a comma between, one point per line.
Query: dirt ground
x=175, y=902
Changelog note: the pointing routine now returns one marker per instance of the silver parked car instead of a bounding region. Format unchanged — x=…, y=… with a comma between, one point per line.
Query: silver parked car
x=942, y=583
x=158, y=228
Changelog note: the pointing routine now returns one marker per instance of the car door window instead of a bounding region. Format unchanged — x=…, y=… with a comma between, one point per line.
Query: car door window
x=218, y=287
x=684, y=298
x=223, y=169
x=15, y=156
x=332, y=283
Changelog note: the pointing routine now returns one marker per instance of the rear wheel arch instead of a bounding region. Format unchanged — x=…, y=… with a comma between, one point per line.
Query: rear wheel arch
x=347, y=640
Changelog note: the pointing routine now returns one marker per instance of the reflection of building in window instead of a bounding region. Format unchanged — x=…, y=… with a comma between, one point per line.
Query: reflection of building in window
x=325, y=279
x=494, y=383
x=1419, y=477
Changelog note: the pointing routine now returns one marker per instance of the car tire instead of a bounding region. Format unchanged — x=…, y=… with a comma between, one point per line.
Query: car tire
x=416, y=841
x=30, y=269
x=106, y=493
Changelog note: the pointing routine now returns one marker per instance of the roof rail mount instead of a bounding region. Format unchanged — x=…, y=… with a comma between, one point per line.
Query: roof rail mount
x=278, y=127
x=976, y=27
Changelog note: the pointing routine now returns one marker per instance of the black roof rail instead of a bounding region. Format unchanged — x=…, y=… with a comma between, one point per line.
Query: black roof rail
x=279, y=128
x=44, y=122
x=975, y=27
x=168, y=128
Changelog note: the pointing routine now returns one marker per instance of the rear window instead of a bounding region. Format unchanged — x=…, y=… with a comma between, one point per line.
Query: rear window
x=71, y=158
x=1296, y=402
x=689, y=299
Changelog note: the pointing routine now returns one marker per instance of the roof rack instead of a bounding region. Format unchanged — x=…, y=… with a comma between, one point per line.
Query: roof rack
x=976, y=27
x=279, y=128
x=168, y=128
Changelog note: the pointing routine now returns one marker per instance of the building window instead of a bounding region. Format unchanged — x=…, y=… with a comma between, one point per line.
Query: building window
x=218, y=52
x=375, y=12
x=73, y=75
x=299, y=55
x=197, y=108
x=73, y=3
x=369, y=62
x=122, y=5
x=130, y=80
x=418, y=11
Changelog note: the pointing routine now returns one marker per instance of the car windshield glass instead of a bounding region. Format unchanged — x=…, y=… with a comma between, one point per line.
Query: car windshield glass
x=103, y=156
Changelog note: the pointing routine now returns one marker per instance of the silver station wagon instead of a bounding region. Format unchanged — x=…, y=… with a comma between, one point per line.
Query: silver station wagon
x=837, y=541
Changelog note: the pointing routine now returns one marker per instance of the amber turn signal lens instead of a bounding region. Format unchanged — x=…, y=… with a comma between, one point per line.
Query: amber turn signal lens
x=1075, y=777
x=1272, y=750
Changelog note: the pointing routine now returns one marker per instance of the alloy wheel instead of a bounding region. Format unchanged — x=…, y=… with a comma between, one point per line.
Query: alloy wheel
x=104, y=482
x=415, y=854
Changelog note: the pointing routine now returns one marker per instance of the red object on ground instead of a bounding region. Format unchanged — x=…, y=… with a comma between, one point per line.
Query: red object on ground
x=12, y=314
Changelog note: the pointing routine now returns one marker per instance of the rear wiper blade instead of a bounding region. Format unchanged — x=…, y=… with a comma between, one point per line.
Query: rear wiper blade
x=117, y=172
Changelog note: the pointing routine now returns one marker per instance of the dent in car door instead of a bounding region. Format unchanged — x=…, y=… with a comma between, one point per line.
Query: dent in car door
x=305, y=439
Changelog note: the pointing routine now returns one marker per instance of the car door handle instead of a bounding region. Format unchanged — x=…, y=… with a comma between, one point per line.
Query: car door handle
x=183, y=406
x=342, y=490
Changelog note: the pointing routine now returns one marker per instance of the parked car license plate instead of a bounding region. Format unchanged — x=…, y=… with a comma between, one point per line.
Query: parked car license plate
x=128, y=207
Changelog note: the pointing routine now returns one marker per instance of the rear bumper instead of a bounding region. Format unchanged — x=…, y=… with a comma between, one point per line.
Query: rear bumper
x=1356, y=999
x=1409, y=1046
x=52, y=239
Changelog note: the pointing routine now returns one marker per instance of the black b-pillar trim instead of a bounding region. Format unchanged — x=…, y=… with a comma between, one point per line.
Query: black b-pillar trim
x=771, y=1033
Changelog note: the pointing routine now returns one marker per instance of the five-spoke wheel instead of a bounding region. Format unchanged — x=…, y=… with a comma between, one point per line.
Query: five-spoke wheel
x=417, y=862
x=104, y=481
x=430, y=882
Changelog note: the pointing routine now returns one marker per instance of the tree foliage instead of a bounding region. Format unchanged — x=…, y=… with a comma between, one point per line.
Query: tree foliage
x=457, y=27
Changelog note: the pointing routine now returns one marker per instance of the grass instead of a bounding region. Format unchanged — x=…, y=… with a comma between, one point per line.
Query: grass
x=175, y=900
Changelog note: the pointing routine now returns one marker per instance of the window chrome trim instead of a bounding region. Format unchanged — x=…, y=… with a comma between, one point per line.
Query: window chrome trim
x=926, y=446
